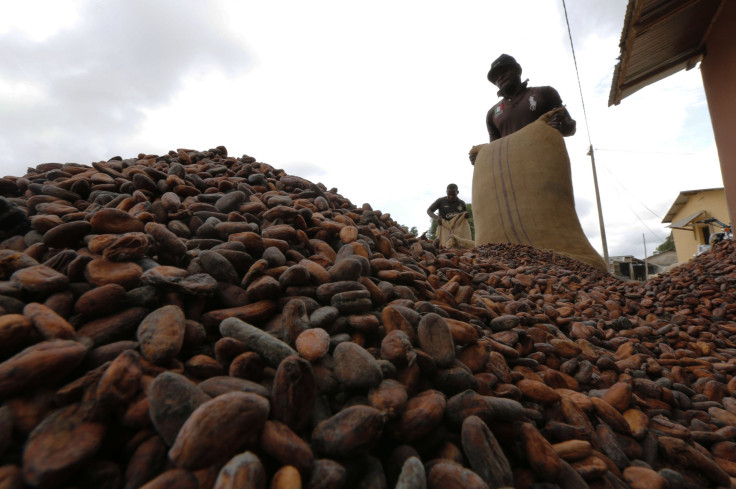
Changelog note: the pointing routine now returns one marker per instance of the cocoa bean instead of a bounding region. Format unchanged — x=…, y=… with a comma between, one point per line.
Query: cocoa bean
x=218, y=428
x=146, y=463
x=284, y=445
x=14, y=330
x=60, y=445
x=41, y=364
x=352, y=431
x=435, y=338
x=327, y=474
x=390, y=397
x=121, y=380
x=112, y=328
x=244, y=470
x=219, y=385
x=272, y=350
x=644, y=478
x=313, y=344
x=99, y=300
x=161, y=334
x=542, y=458
x=484, y=453
x=172, y=399
x=355, y=367
x=39, y=279
x=451, y=475
x=536, y=391
x=102, y=271
x=294, y=392
x=422, y=415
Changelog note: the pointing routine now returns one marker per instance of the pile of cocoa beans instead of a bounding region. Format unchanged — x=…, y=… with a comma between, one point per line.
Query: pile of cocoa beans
x=196, y=320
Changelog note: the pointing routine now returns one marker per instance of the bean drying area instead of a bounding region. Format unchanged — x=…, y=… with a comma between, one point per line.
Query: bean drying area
x=197, y=320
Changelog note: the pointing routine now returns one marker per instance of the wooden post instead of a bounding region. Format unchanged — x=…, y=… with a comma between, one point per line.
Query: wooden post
x=600, y=210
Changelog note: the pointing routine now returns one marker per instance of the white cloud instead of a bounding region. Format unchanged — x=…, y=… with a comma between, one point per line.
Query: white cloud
x=37, y=20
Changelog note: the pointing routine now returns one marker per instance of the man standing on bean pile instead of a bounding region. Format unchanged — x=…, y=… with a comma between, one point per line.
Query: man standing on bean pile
x=521, y=105
x=453, y=228
x=522, y=184
x=449, y=206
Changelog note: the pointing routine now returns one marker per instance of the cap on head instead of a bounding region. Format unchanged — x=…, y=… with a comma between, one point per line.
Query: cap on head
x=501, y=62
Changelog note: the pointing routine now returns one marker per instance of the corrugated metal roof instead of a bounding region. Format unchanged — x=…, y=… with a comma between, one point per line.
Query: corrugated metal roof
x=681, y=200
x=659, y=38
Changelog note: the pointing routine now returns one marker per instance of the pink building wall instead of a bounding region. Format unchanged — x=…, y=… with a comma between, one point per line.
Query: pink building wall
x=718, y=69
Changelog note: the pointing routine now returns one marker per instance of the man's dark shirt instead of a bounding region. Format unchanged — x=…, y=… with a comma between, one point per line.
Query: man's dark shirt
x=448, y=209
x=510, y=115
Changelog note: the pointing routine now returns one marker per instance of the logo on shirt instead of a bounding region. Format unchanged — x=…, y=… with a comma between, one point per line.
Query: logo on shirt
x=498, y=110
x=532, y=103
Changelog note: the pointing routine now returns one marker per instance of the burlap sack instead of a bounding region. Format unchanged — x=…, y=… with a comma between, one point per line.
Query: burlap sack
x=522, y=193
x=455, y=233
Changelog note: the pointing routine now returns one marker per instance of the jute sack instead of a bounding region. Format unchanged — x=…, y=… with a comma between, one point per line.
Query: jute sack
x=455, y=233
x=522, y=193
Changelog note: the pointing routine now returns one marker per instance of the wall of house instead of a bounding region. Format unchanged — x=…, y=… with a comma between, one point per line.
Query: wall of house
x=663, y=259
x=719, y=79
x=713, y=202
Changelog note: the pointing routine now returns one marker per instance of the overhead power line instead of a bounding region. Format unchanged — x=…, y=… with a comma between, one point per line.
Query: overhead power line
x=592, y=156
x=604, y=241
x=672, y=153
x=577, y=73
x=625, y=189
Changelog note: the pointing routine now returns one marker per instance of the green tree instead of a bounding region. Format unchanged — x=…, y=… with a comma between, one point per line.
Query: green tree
x=470, y=220
x=432, y=232
x=668, y=245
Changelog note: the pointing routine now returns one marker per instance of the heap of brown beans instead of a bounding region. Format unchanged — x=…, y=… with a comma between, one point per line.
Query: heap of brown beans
x=196, y=320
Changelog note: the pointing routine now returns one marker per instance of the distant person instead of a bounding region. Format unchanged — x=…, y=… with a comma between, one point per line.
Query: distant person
x=448, y=207
x=453, y=227
x=521, y=105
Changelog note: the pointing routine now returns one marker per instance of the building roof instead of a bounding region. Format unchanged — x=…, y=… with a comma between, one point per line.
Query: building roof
x=681, y=200
x=659, y=38
x=624, y=259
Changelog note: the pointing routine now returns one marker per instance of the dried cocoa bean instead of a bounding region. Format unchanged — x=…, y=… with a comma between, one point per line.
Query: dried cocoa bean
x=218, y=428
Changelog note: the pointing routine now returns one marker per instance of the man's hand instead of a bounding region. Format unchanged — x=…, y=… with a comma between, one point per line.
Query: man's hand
x=562, y=121
x=473, y=153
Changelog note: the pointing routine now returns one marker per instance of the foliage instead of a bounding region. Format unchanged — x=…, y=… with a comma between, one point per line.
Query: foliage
x=469, y=207
x=432, y=232
x=668, y=245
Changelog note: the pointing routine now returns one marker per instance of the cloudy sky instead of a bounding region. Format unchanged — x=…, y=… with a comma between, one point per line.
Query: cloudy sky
x=380, y=99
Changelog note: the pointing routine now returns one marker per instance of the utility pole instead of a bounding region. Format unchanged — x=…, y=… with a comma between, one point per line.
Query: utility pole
x=600, y=210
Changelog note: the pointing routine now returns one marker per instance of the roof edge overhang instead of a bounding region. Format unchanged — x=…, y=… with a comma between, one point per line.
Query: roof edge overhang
x=624, y=83
x=682, y=223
